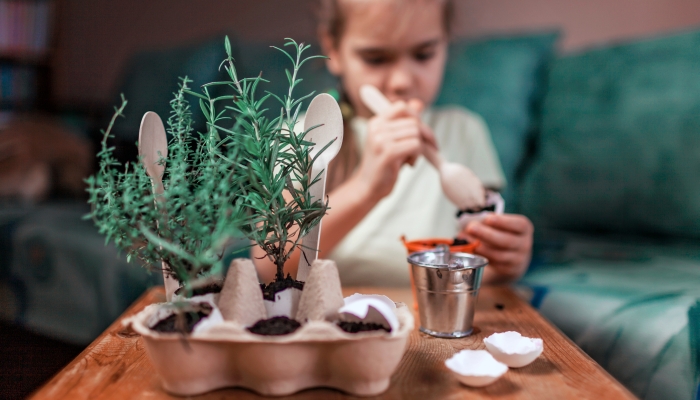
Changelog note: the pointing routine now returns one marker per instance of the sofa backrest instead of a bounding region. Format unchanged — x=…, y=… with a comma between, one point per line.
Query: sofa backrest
x=502, y=79
x=150, y=79
x=619, y=148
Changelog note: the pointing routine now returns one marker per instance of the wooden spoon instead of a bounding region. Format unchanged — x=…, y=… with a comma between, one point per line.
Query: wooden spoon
x=459, y=183
x=324, y=111
x=153, y=146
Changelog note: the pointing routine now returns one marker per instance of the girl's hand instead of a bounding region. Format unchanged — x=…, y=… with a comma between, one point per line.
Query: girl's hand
x=394, y=138
x=506, y=240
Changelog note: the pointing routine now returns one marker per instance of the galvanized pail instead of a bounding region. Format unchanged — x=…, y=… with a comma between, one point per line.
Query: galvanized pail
x=447, y=286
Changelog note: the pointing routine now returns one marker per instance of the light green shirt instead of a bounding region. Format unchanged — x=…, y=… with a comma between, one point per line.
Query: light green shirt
x=372, y=253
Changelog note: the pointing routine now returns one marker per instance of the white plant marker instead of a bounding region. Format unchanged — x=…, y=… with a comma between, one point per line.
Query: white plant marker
x=323, y=111
x=153, y=145
x=459, y=183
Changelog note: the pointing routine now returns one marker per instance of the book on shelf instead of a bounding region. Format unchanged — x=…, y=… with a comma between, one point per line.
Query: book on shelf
x=25, y=27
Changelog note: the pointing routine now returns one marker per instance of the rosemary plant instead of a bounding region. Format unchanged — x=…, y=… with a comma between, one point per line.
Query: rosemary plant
x=246, y=174
x=273, y=165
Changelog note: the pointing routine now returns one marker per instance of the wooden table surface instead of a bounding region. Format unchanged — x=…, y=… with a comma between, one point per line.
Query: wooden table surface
x=115, y=365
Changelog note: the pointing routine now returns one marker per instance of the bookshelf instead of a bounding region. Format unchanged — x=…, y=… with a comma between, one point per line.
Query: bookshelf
x=26, y=28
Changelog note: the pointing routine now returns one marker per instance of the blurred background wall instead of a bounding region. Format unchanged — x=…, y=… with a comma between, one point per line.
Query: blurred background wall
x=96, y=37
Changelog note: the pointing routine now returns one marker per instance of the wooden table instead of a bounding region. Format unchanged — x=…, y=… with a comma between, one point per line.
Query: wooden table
x=115, y=365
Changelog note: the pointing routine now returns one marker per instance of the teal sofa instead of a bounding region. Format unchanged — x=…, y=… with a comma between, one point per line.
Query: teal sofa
x=601, y=150
x=614, y=190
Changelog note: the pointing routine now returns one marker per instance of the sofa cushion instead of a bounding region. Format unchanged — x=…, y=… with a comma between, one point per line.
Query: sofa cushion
x=630, y=304
x=620, y=143
x=502, y=79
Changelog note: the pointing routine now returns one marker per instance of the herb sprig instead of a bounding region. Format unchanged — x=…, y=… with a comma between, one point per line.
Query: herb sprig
x=247, y=174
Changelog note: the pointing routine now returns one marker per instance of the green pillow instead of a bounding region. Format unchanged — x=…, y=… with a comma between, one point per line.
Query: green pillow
x=503, y=80
x=620, y=144
x=151, y=78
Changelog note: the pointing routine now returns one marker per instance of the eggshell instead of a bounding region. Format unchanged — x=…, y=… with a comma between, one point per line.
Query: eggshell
x=215, y=318
x=476, y=367
x=166, y=309
x=370, y=310
x=285, y=304
x=492, y=198
x=357, y=296
x=513, y=349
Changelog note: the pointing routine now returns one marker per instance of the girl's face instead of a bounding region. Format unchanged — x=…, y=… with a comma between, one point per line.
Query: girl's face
x=399, y=48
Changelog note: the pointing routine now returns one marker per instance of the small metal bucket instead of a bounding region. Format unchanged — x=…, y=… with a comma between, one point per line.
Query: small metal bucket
x=447, y=286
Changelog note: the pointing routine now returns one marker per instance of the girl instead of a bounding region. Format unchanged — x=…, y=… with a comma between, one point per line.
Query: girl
x=380, y=187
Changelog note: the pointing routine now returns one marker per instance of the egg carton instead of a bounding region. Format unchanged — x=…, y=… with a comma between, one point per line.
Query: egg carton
x=221, y=352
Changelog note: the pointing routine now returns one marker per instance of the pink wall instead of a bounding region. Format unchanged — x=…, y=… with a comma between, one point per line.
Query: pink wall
x=97, y=36
x=583, y=22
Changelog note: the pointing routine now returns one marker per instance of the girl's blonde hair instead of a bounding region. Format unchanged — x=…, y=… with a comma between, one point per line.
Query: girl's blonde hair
x=331, y=17
x=331, y=22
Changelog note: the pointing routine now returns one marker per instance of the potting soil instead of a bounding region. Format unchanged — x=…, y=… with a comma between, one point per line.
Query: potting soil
x=269, y=290
x=275, y=326
x=355, y=327
x=171, y=323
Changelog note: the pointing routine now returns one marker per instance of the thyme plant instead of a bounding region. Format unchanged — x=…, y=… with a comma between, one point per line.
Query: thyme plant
x=246, y=174
x=187, y=227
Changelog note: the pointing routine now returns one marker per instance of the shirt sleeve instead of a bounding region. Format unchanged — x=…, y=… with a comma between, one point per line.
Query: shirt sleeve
x=464, y=138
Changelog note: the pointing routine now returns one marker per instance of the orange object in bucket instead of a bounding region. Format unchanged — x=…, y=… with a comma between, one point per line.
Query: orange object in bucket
x=428, y=244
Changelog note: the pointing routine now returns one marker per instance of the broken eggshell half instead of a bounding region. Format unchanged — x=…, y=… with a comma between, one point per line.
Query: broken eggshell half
x=513, y=349
x=357, y=296
x=475, y=368
x=167, y=309
x=214, y=319
x=374, y=308
x=493, y=199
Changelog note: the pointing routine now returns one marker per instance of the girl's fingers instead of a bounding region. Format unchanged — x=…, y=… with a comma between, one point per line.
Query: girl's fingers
x=387, y=128
x=379, y=128
x=497, y=256
x=493, y=237
x=511, y=263
x=428, y=136
x=405, y=149
x=518, y=224
x=397, y=109
x=401, y=123
x=404, y=133
x=416, y=106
